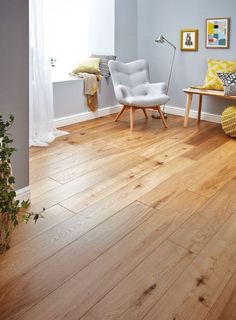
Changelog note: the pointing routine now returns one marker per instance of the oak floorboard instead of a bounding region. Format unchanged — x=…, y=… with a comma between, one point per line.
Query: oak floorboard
x=74, y=172
x=206, y=177
x=199, y=229
x=51, y=217
x=134, y=296
x=87, y=287
x=84, y=181
x=31, y=287
x=100, y=191
x=149, y=162
x=200, y=285
x=205, y=134
x=207, y=146
x=137, y=225
x=70, y=161
x=224, y=307
x=22, y=258
x=42, y=186
x=134, y=189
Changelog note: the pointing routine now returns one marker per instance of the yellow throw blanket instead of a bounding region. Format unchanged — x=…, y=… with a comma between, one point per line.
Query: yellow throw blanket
x=90, y=88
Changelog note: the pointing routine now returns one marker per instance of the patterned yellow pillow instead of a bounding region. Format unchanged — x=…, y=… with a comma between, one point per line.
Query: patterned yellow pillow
x=90, y=65
x=212, y=81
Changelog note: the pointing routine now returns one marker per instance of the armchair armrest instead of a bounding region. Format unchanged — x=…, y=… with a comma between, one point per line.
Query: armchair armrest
x=154, y=88
x=122, y=92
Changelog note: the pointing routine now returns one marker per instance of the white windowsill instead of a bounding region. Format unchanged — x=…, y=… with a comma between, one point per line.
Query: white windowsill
x=64, y=78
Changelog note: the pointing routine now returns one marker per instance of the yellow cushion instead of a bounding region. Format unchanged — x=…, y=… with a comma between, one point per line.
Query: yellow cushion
x=212, y=81
x=90, y=65
x=228, y=121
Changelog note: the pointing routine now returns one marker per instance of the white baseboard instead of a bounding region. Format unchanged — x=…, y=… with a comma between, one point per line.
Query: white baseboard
x=193, y=114
x=80, y=117
x=23, y=194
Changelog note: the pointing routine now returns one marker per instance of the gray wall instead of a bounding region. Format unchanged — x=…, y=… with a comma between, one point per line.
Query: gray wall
x=126, y=30
x=69, y=98
x=169, y=17
x=14, y=80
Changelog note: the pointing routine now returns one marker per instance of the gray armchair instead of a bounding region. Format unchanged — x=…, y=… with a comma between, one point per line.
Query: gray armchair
x=134, y=91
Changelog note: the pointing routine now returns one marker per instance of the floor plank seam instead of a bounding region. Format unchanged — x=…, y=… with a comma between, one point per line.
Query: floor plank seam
x=192, y=230
x=165, y=240
x=69, y=278
x=135, y=179
x=159, y=245
x=220, y=295
x=179, y=245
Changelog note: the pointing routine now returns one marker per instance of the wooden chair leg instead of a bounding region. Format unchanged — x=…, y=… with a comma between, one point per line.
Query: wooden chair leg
x=162, y=116
x=199, y=108
x=120, y=113
x=145, y=113
x=132, y=109
x=188, y=106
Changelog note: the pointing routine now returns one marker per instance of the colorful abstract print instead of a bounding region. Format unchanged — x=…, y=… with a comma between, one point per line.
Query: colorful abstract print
x=217, y=32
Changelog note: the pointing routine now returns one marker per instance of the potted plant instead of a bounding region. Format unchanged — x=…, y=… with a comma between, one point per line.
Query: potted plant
x=11, y=209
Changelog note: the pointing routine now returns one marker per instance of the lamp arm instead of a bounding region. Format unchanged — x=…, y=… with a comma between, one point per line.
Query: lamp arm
x=169, y=43
x=171, y=69
x=169, y=79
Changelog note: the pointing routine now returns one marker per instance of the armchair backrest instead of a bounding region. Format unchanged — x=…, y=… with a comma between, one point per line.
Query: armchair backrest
x=129, y=79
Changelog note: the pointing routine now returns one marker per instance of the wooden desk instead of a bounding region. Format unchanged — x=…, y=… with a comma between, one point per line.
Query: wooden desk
x=190, y=92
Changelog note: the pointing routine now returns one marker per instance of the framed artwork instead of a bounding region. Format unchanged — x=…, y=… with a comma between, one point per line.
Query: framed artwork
x=217, y=33
x=189, y=40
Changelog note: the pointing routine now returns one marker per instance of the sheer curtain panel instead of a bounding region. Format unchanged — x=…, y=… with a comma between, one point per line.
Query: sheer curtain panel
x=42, y=128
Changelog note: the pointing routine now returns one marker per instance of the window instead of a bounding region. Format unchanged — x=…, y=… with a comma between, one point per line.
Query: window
x=77, y=29
x=68, y=32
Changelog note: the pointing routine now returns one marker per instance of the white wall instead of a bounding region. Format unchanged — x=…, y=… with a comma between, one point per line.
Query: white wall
x=102, y=27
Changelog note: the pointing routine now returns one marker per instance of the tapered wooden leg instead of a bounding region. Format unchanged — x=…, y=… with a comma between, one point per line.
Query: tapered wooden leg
x=188, y=106
x=162, y=116
x=199, y=108
x=145, y=113
x=132, y=109
x=120, y=113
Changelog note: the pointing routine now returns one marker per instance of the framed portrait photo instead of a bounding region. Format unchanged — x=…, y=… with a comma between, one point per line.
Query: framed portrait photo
x=189, y=40
x=217, y=33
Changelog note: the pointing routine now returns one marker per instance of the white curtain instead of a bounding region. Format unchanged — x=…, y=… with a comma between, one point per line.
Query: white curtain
x=42, y=128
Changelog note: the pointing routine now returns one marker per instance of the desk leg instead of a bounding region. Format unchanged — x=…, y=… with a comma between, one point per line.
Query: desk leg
x=199, y=108
x=188, y=106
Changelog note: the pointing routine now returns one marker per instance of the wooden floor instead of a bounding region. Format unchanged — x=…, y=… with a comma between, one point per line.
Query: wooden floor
x=137, y=226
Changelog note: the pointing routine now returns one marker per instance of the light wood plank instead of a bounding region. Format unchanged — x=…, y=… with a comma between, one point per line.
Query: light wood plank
x=199, y=229
x=68, y=262
x=204, y=134
x=225, y=306
x=83, y=182
x=152, y=160
x=101, y=262
x=52, y=217
x=209, y=173
x=42, y=186
x=207, y=146
x=134, y=296
x=86, y=288
x=70, y=161
x=197, y=289
x=214, y=181
x=70, y=174
x=92, y=195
